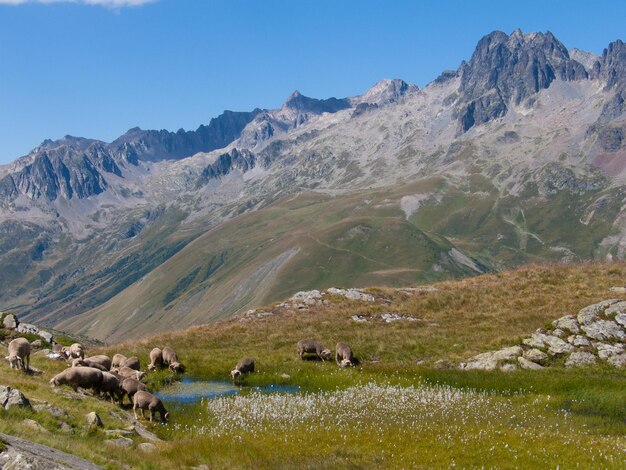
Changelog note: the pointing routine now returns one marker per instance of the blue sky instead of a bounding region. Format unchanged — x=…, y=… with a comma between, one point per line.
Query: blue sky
x=72, y=67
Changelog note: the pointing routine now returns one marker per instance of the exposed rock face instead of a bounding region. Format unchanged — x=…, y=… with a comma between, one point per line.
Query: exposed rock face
x=613, y=64
x=511, y=68
x=387, y=92
x=151, y=145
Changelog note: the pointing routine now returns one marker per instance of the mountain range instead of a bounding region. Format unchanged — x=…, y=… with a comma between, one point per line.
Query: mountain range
x=517, y=156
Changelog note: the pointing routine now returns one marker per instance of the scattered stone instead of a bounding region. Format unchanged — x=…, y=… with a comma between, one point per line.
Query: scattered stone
x=567, y=322
x=490, y=360
x=285, y=376
x=312, y=297
x=441, y=364
x=618, y=361
x=119, y=443
x=352, y=294
x=56, y=356
x=580, y=359
x=592, y=313
x=35, y=426
x=93, y=419
x=53, y=410
x=619, y=307
x=620, y=318
x=603, y=330
x=146, y=447
x=535, y=355
x=359, y=318
x=66, y=428
x=119, y=432
x=528, y=365
x=618, y=290
x=10, y=321
x=606, y=351
x=508, y=367
x=46, y=335
x=143, y=432
x=28, y=328
x=36, y=344
x=555, y=344
x=578, y=340
x=12, y=397
x=558, y=332
x=390, y=317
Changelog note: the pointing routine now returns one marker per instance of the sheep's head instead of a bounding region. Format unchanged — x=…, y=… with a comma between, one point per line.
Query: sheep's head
x=177, y=367
x=235, y=373
x=54, y=382
x=326, y=354
x=151, y=367
x=14, y=361
x=140, y=375
x=165, y=417
x=346, y=363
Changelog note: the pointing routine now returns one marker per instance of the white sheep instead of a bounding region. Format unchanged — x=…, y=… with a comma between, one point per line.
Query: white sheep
x=19, y=354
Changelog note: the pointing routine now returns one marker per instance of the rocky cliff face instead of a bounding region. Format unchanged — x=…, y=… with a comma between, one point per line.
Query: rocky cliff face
x=507, y=70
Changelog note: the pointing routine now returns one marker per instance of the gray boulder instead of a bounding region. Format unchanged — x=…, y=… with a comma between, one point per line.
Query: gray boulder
x=528, y=365
x=580, y=359
x=535, y=355
x=568, y=322
x=618, y=360
x=579, y=340
x=554, y=344
x=119, y=443
x=604, y=330
x=10, y=321
x=146, y=447
x=28, y=328
x=591, y=313
x=490, y=360
x=11, y=397
x=606, y=351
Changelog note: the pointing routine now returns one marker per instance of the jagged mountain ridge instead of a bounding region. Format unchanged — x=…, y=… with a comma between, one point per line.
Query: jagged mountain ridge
x=494, y=193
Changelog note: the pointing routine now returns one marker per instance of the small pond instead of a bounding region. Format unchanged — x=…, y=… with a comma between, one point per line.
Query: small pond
x=190, y=390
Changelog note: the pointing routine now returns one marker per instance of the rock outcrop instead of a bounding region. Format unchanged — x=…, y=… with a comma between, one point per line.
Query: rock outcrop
x=597, y=333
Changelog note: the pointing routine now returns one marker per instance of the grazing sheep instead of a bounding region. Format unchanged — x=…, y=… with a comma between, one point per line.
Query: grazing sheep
x=156, y=359
x=312, y=347
x=88, y=363
x=111, y=387
x=146, y=401
x=128, y=372
x=170, y=359
x=243, y=367
x=343, y=355
x=169, y=356
x=177, y=367
x=19, y=354
x=132, y=363
x=129, y=386
x=118, y=360
x=104, y=361
x=83, y=377
x=75, y=351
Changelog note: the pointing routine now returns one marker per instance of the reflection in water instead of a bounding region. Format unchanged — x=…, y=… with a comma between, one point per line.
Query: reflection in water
x=190, y=390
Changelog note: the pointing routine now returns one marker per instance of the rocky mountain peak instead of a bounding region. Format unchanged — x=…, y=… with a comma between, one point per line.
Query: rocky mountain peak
x=508, y=69
x=303, y=104
x=613, y=64
x=387, y=91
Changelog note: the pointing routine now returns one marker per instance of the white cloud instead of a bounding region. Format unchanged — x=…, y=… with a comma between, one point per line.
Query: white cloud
x=104, y=3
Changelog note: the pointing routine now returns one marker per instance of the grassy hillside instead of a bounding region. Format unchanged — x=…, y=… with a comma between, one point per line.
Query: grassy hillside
x=388, y=237
x=403, y=406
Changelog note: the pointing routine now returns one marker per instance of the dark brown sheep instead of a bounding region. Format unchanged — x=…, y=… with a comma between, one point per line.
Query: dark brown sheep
x=129, y=387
